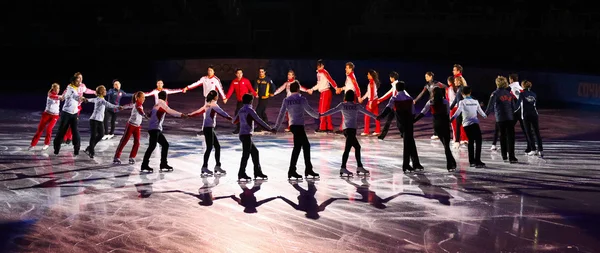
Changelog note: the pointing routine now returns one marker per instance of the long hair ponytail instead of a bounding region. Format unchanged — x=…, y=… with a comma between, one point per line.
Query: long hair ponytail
x=375, y=77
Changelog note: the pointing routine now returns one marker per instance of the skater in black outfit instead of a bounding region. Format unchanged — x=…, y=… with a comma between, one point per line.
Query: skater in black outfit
x=528, y=108
x=246, y=118
x=405, y=114
x=429, y=88
x=503, y=104
x=307, y=201
x=350, y=110
x=441, y=122
x=69, y=116
x=469, y=108
x=295, y=105
x=392, y=92
x=516, y=89
x=155, y=131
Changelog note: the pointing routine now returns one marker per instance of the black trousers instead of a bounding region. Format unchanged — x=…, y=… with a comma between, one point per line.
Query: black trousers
x=474, y=134
x=261, y=109
x=507, y=138
x=238, y=106
x=532, y=129
x=110, y=117
x=442, y=127
x=496, y=133
x=388, y=124
x=67, y=120
x=457, y=131
x=517, y=117
x=248, y=149
x=96, y=134
x=156, y=136
x=300, y=142
x=351, y=142
x=211, y=141
x=410, y=148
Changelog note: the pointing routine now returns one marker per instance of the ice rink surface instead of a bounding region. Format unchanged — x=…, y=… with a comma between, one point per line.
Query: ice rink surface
x=76, y=204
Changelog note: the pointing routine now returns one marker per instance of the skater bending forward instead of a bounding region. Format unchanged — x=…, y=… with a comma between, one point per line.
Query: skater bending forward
x=210, y=111
x=350, y=111
x=295, y=105
x=246, y=118
x=155, y=131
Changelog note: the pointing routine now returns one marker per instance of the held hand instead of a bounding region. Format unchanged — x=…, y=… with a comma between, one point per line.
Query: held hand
x=120, y=108
x=61, y=98
x=229, y=118
x=273, y=130
x=310, y=92
x=414, y=102
x=360, y=100
x=185, y=89
x=184, y=116
x=225, y=101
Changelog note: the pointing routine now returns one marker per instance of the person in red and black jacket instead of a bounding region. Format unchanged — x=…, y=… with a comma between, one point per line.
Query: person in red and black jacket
x=405, y=114
x=241, y=86
x=265, y=88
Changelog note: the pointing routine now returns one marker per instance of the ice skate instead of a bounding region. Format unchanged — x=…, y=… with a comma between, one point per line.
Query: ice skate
x=363, y=171
x=287, y=130
x=540, y=154
x=451, y=167
x=494, y=148
x=513, y=160
x=218, y=170
x=418, y=167
x=165, y=167
x=435, y=137
x=131, y=160
x=293, y=175
x=456, y=145
x=346, y=172
x=310, y=172
x=242, y=177
x=45, y=147
x=364, y=134
x=116, y=161
x=407, y=168
x=146, y=168
x=205, y=172
x=479, y=165
x=376, y=134
x=532, y=153
x=30, y=148
x=259, y=174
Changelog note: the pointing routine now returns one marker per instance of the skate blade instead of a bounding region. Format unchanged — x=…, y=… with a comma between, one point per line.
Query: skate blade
x=313, y=179
x=206, y=175
x=261, y=179
x=244, y=180
x=347, y=175
x=295, y=179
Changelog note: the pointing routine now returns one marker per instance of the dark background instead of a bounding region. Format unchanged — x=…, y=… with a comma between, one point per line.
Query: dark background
x=46, y=41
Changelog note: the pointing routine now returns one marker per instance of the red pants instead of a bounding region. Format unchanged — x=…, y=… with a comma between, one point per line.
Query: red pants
x=46, y=123
x=373, y=107
x=129, y=130
x=324, y=105
x=69, y=134
x=463, y=134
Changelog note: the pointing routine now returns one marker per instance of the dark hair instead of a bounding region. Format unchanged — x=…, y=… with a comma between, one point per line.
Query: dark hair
x=451, y=79
x=350, y=64
x=429, y=73
x=375, y=77
x=394, y=75
x=400, y=86
x=238, y=69
x=438, y=95
x=294, y=86
x=159, y=80
x=162, y=95
x=526, y=84
x=114, y=81
x=247, y=99
x=349, y=96
x=458, y=67
x=514, y=77
x=73, y=79
x=211, y=95
x=211, y=67
x=466, y=90
x=77, y=74
x=320, y=62
x=263, y=68
x=292, y=71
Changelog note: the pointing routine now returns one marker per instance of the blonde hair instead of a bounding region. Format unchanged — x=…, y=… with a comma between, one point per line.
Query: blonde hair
x=53, y=87
x=460, y=81
x=527, y=85
x=99, y=88
x=136, y=95
x=501, y=82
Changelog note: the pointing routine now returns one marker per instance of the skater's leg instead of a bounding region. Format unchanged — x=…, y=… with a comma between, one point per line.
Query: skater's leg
x=327, y=106
x=217, y=149
x=471, y=147
x=254, y=155
x=444, y=135
x=49, y=127
x=98, y=133
x=73, y=123
x=387, y=125
x=367, y=127
x=113, y=121
x=356, y=146
x=322, y=123
x=136, y=141
x=151, y=145
x=411, y=145
x=529, y=134
x=305, y=148
x=62, y=130
x=347, y=133
x=93, y=133
x=503, y=127
x=478, y=141
x=208, y=140
x=511, y=142
x=164, y=144
x=536, y=129
x=246, y=146
x=496, y=133
x=375, y=110
x=40, y=129
x=124, y=140
x=297, y=146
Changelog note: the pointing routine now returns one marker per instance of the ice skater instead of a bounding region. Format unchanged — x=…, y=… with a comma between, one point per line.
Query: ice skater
x=392, y=92
x=208, y=83
x=324, y=81
x=97, y=118
x=246, y=118
x=69, y=117
x=404, y=108
x=241, y=86
x=113, y=96
x=160, y=87
x=516, y=89
x=155, y=128
x=503, y=104
x=440, y=110
x=372, y=103
x=459, y=85
x=451, y=92
x=350, y=110
x=429, y=87
x=49, y=117
x=133, y=128
x=210, y=111
x=469, y=108
x=264, y=87
x=527, y=105
x=81, y=90
x=350, y=84
x=295, y=105
x=291, y=77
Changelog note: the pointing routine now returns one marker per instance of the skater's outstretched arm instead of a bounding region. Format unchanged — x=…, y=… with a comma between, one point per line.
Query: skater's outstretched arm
x=332, y=110
x=127, y=95
x=424, y=111
x=391, y=197
x=88, y=91
x=164, y=106
x=328, y=202
x=231, y=89
x=282, y=111
x=490, y=105
x=147, y=94
x=110, y=105
x=308, y=109
x=219, y=88
x=302, y=88
x=259, y=120
x=385, y=112
x=457, y=97
x=196, y=84
x=172, y=91
x=236, y=119
x=421, y=94
x=459, y=111
x=220, y=111
x=365, y=112
x=198, y=112
x=281, y=88
x=265, y=201
x=480, y=111
x=329, y=79
x=292, y=204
